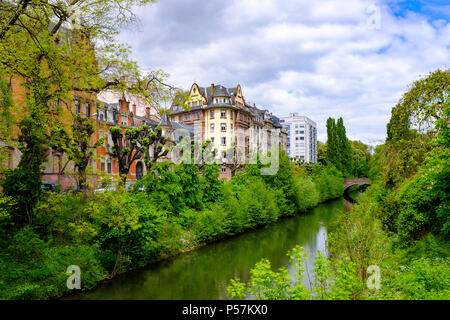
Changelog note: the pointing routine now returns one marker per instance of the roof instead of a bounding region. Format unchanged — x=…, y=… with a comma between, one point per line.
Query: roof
x=165, y=121
x=220, y=91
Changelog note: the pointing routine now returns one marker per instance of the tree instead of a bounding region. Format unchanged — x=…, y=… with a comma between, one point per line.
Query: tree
x=54, y=58
x=420, y=106
x=78, y=147
x=360, y=159
x=413, y=125
x=6, y=121
x=322, y=153
x=332, y=144
x=338, y=151
x=344, y=148
x=132, y=144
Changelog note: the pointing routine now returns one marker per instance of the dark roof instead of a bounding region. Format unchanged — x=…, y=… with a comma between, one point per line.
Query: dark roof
x=220, y=91
x=176, y=125
x=276, y=121
x=165, y=121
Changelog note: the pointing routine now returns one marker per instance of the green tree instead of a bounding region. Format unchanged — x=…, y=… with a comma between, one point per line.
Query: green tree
x=332, y=155
x=78, y=148
x=344, y=148
x=134, y=144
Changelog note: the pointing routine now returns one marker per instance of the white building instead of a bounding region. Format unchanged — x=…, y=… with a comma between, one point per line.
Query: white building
x=302, y=137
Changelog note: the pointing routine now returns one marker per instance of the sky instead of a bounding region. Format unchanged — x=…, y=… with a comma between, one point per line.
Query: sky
x=347, y=58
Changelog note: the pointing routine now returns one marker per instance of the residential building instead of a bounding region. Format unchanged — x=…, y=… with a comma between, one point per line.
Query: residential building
x=222, y=116
x=301, y=137
x=106, y=114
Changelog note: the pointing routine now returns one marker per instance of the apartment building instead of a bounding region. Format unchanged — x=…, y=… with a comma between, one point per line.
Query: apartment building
x=301, y=137
x=222, y=116
x=107, y=110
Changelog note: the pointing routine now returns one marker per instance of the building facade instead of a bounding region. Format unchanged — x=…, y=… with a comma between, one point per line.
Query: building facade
x=107, y=110
x=222, y=116
x=301, y=137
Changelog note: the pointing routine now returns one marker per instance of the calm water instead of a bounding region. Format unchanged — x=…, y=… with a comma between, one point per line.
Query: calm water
x=205, y=273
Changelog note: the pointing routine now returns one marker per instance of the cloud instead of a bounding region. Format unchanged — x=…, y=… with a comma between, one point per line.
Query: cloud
x=321, y=59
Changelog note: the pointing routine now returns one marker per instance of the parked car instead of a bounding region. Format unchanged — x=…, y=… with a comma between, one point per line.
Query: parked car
x=48, y=186
x=104, y=189
x=72, y=190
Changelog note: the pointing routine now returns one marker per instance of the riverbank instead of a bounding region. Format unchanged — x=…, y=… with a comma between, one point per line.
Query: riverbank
x=197, y=275
x=111, y=233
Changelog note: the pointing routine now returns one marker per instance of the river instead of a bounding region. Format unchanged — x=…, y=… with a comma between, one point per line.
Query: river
x=205, y=272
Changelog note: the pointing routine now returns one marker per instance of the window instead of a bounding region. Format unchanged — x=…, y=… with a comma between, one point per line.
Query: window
x=212, y=141
x=88, y=110
x=77, y=106
x=180, y=119
x=231, y=114
x=102, y=165
x=211, y=114
x=109, y=166
x=197, y=115
x=224, y=154
x=302, y=131
x=101, y=116
x=223, y=169
x=224, y=141
x=296, y=131
x=187, y=116
x=231, y=127
x=223, y=114
x=211, y=128
x=223, y=127
x=302, y=138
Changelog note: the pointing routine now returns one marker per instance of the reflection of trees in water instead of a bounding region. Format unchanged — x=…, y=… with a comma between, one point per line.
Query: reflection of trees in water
x=206, y=272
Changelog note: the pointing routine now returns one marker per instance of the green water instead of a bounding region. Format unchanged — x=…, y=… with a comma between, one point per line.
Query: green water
x=205, y=273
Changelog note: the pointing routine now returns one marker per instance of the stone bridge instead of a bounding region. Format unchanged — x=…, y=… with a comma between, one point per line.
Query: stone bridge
x=348, y=182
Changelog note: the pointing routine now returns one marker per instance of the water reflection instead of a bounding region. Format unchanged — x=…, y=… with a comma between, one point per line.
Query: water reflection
x=205, y=272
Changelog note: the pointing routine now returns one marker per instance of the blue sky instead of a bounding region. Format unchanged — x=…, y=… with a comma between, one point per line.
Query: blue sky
x=338, y=58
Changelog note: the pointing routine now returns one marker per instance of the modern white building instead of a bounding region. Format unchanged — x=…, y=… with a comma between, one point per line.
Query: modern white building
x=302, y=137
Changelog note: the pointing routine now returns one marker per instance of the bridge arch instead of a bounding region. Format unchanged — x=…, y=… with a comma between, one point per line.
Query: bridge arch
x=348, y=182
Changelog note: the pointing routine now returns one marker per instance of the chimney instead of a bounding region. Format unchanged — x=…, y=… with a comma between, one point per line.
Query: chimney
x=147, y=113
x=134, y=109
x=212, y=88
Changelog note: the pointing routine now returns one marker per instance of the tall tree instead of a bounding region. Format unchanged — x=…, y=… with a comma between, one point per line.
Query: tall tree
x=332, y=144
x=58, y=48
x=344, y=148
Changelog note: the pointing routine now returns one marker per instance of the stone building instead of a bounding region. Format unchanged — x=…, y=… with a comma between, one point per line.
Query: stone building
x=235, y=128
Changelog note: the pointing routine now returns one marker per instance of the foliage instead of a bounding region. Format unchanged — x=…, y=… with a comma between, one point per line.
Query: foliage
x=338, y=151
x=337, y=282
x=78, y=147
x=115, y=231
x=360, y=159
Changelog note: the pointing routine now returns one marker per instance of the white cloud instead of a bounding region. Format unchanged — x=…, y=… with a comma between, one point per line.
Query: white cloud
x=318, y=58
